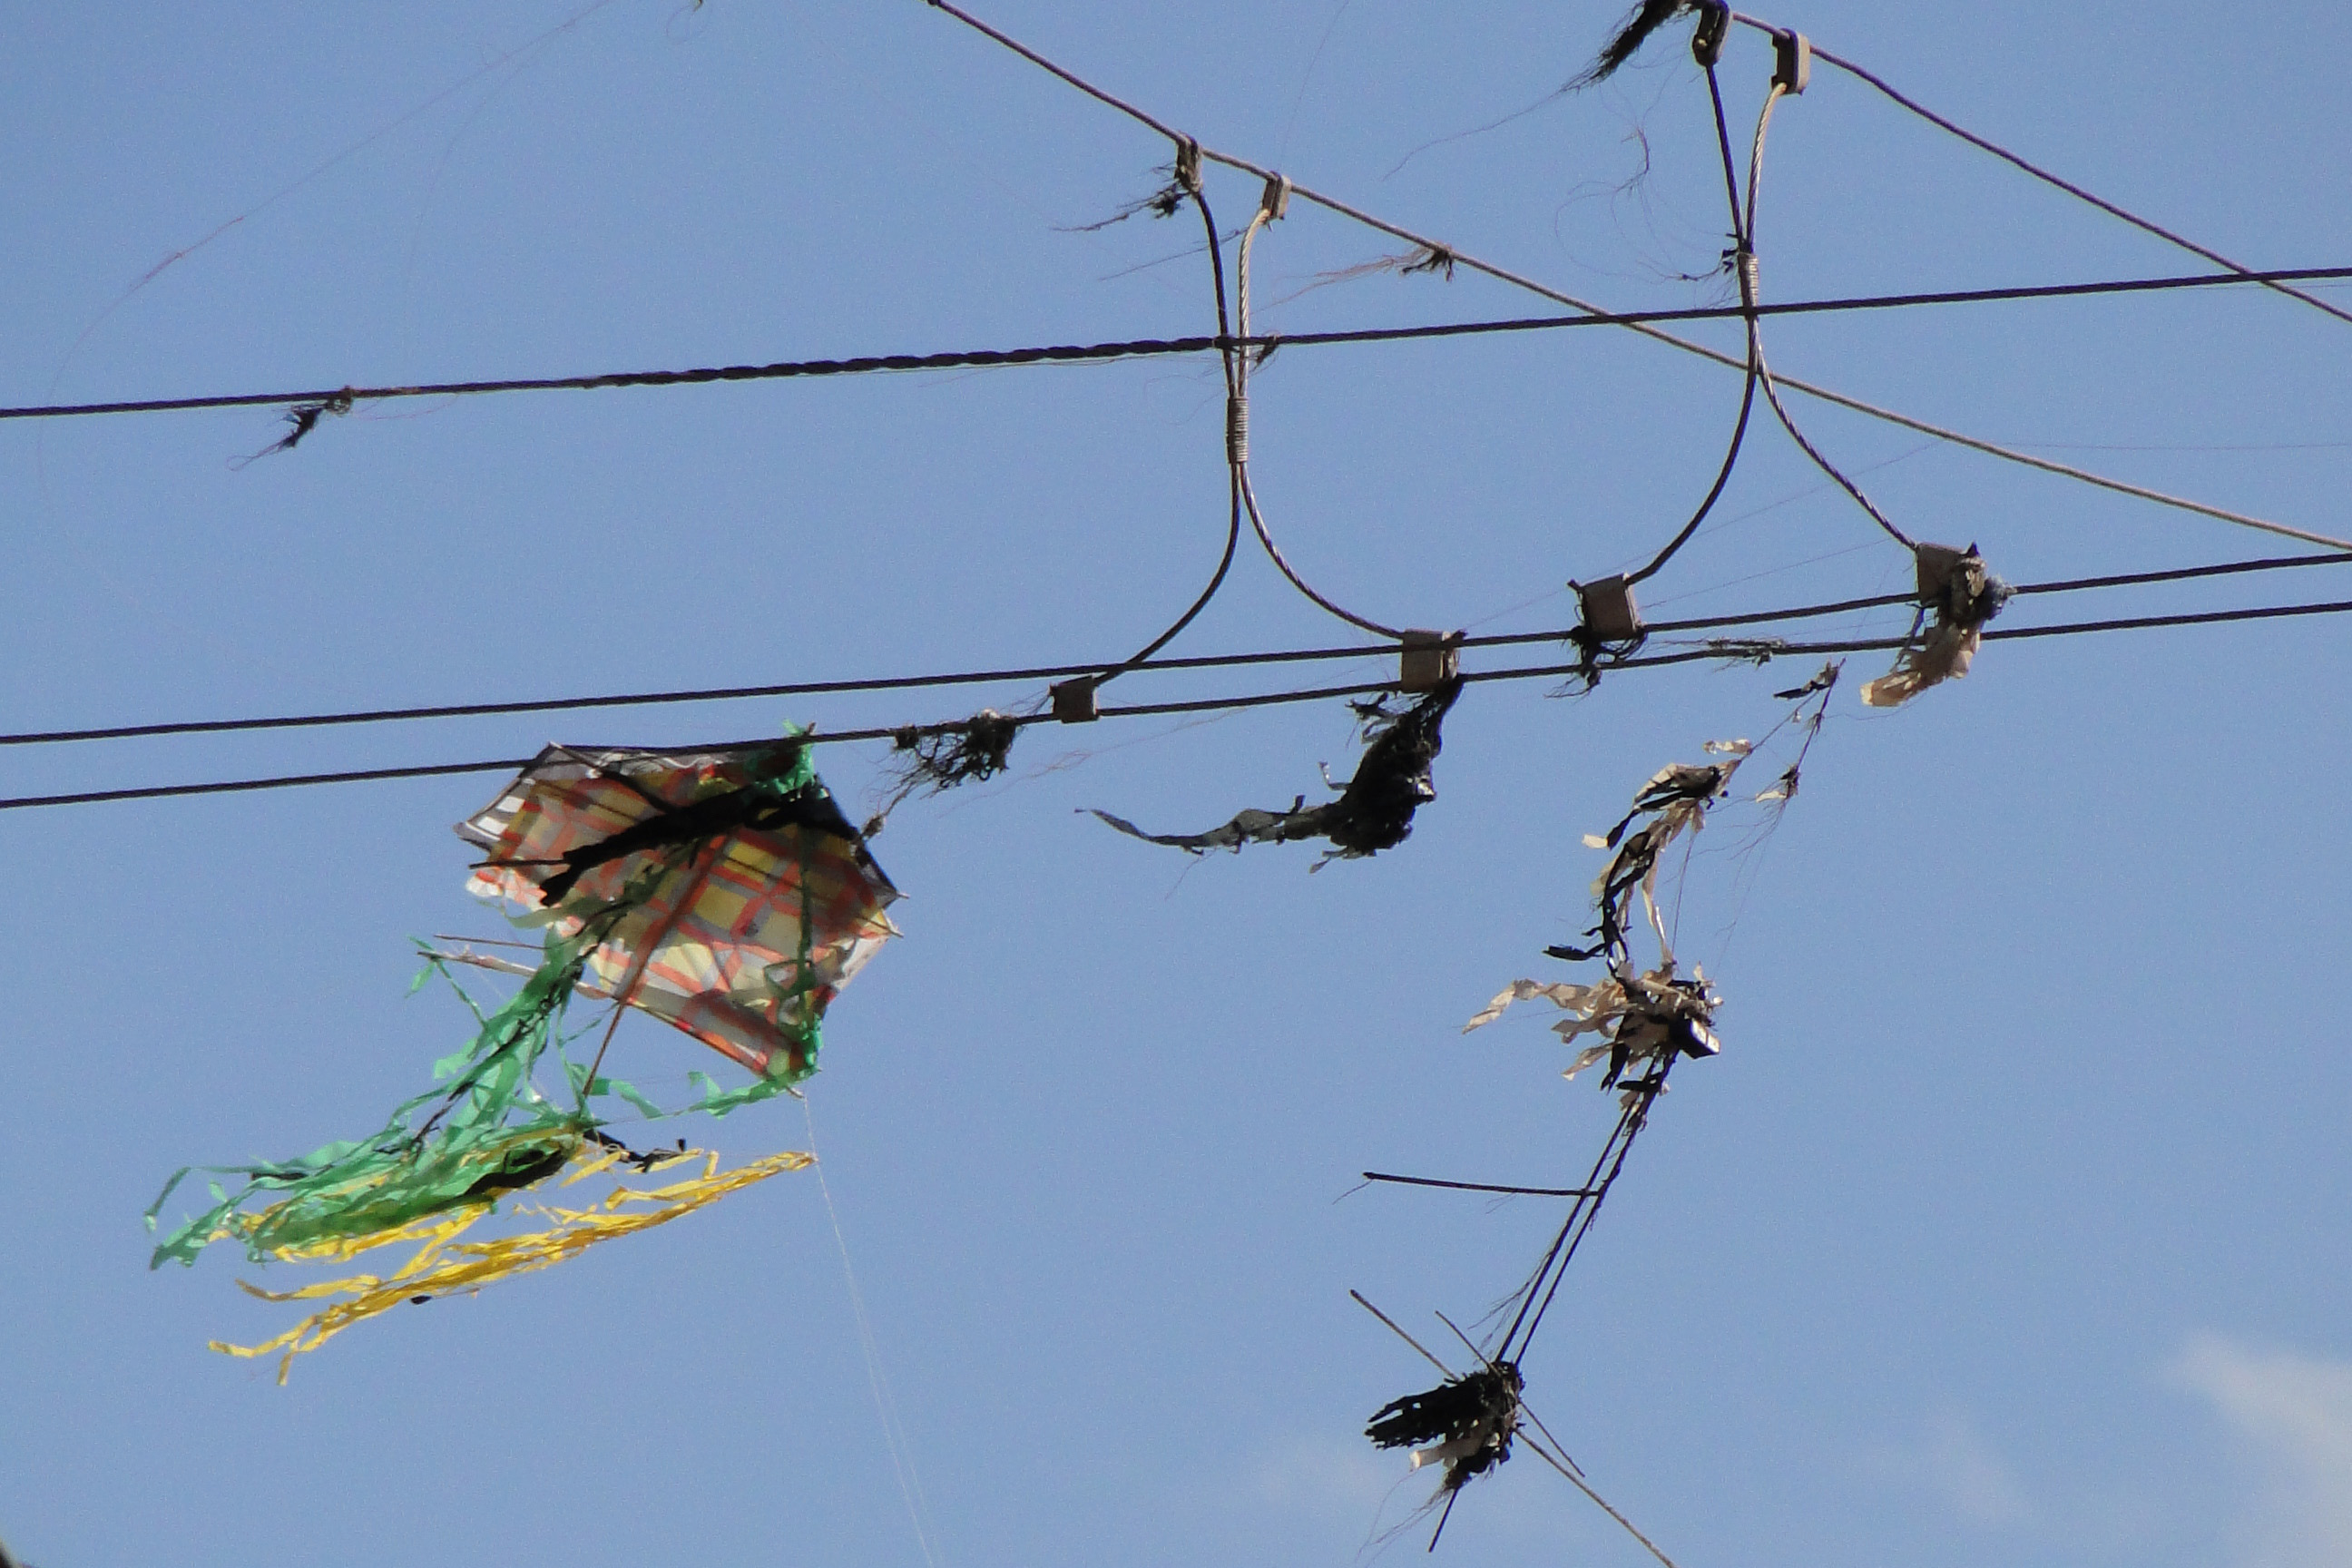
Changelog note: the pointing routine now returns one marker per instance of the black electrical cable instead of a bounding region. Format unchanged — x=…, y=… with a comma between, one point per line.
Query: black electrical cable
x=1746, y=275
x=1064, y=671
x=1533, y=1297
x=1459, y=257
x=1147, y=348
x=1758, y=650
x=1188, y=175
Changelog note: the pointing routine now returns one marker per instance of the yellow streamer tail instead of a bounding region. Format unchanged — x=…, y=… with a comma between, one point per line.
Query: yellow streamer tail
x=444, y=1265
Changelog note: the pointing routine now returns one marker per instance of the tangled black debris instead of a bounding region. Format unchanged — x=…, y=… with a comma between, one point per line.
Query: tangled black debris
x=1468, y=1421
x=1676, y=800
x=651, y=1159
x=1374, y=811
x=523, y=1165
x=1817, y=691
x=1636, y=29
x=1757, y=651
x=304, y=417
x=1162, y=202
x=1184, y=179
x=1821, y=682
x=927, y=761
x=1431, y=258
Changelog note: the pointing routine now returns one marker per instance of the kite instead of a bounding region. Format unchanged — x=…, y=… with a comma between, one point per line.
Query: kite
x=1374, y=810
x=720, y=891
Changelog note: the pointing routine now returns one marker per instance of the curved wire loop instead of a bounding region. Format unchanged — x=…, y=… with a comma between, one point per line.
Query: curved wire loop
x=1188, y=177
x=1741, y=221
x=1278, y=196
x=1757, y=365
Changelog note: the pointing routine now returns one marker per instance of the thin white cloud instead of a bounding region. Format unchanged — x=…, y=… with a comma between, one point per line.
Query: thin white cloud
x=2294, y=1416
x=1952, y=1461
x=1971, y=1475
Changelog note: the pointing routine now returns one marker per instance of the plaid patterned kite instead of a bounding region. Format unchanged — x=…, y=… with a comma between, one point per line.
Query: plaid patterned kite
x=769, y=904
x=723, y=892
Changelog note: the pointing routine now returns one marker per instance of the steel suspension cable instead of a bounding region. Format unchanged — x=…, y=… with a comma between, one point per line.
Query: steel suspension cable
x=1237, y=429
x=1188, y=176
x=1061, y=671
x=2046, y=177
x=1763, y=371
x=1519, y=280
x=1718, y=650
x=1148, y=348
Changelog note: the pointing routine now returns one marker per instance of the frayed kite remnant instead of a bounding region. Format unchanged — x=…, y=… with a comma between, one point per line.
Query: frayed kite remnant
x=1468, y=1422
x=927, y=761
x=304, y=417
x=1963, y=597
x=1644, y=1021
x=1634, y=31
x=1676, y=800
x=1374, y=811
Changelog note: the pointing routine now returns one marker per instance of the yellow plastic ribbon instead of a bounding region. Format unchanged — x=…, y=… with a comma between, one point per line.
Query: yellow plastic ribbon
x=444, y=1266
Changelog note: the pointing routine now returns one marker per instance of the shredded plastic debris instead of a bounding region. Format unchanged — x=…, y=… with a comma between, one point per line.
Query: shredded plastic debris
x=1966, y=597
x=1374, y=810
x=1676, y=800
x=304, y=417
x=927, y=761
x=1468, y=1422
x=1631, y=34
x=1647, y=1021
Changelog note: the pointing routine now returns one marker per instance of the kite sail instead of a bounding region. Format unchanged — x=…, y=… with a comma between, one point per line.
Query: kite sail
x=721, y=891
x=770, y=901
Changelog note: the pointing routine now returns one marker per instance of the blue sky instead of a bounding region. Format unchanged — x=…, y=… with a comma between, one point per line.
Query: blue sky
x=2009, y=1225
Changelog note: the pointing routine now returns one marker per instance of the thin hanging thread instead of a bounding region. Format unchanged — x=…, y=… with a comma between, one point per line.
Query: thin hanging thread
x=894, y=1436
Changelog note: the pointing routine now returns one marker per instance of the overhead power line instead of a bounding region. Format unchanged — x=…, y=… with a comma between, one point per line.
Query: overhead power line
x=1454, y=256
x=2046, y=177
x=1064, y=671
x=1735, y=650
x=1145, y=348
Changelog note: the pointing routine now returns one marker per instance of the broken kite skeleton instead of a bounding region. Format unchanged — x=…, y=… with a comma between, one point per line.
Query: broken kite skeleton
x=720, y=891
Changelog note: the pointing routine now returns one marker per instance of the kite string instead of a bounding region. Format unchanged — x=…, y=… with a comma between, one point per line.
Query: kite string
x=1592, y=1190
x=1581, y=1485
x=894, y=1433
